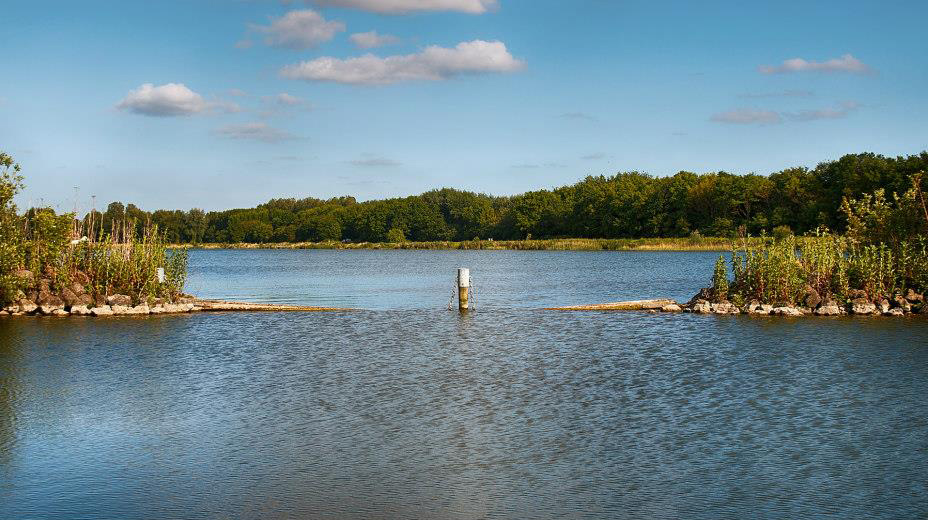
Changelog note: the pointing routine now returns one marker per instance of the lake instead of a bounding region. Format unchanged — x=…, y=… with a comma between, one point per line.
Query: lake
x=404, y=409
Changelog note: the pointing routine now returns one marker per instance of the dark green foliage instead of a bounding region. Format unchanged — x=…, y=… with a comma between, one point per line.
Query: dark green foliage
x=884, y=252
x=11, y=251
x=720, y=279
x=625, y=205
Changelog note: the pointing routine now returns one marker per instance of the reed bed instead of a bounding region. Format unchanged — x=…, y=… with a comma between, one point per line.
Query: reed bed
x=122, y=262
x=696, y=243
x=834, y=267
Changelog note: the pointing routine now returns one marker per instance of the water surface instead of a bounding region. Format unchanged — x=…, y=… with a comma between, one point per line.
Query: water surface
x=406, y=410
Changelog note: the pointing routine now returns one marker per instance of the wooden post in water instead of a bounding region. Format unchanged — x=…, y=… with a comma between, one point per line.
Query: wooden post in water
x=463, y=288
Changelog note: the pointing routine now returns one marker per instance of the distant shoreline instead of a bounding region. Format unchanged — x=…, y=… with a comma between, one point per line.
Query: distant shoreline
x=557, y=244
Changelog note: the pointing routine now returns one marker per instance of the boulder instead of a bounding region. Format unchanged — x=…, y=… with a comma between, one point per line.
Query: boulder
x=27, y=307
x=76, y=288
x=120, y=310
x=724, y=308
x=811, y=298
x=70, y=299
x=900, y=302
x=140, y=309
x=103, y=310
x=757, y=308
x=49, y=310
x=860, y=306
x=87, y=300
x=178, y=307
x=702, y=307
x=80, y=310
x=895, y=311
x=49, y=299
x=60, y=312
x=914, y=297
x=158, y=309
x=786, y=311
x=857, y=293
x=673, y=307
x=829, y=308
x=883, y=306
x=118, y=299
x=45, y=285
x=185, y=299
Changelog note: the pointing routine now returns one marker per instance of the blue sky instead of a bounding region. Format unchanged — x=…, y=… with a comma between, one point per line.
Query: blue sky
x=228, y=103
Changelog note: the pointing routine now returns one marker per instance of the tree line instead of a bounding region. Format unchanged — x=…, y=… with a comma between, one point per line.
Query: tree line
x=624, y=205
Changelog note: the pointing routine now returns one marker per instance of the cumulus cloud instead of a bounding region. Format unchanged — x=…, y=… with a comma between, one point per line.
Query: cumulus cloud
x=171, y=99
x=299, y=30
x=846, y=63
x=407, y=6
x=254, y=132
x=433, y=63
x=747, y=116
x=375, y=162
x=371, y=39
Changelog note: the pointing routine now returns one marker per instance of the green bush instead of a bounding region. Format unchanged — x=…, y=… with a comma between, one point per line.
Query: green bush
x=11, y=251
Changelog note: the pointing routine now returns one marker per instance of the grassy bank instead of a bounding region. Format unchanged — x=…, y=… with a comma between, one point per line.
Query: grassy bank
x=565, y=244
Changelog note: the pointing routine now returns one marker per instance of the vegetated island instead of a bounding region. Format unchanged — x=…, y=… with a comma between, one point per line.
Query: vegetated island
x=876, y=262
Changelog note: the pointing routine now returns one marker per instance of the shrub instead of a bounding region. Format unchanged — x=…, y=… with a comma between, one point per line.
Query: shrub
x=11, y=252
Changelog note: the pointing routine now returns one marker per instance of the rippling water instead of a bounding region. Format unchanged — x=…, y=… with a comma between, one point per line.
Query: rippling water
x=406, y=410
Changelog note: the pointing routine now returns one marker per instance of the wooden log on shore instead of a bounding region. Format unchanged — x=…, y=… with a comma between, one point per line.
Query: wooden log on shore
x=220, y=305
x=634, y=305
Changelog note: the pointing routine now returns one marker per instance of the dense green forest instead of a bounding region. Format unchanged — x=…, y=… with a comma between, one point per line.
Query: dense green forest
x=630, y=204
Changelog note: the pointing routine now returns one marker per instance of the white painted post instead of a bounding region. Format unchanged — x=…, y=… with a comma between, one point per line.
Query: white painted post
x=463, y=288
x=160, y=275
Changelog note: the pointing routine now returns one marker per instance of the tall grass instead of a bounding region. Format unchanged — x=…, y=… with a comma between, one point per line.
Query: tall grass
x=835, y=267
x=695, y=243
x=120, y=262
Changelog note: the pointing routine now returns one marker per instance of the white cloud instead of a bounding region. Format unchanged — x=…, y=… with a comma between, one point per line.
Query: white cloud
x=782, y=93
x=287, y=100
x=255, y=132
x=433, y=63
x=369, y=40
x=747, y=116
x=578, y=116
x=375, y=162
x=845, y=63
x=299, y=30
x=171, y=99
x=406, y=6
x=838, y=112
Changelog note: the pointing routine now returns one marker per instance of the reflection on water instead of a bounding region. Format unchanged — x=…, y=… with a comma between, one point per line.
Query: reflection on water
x=502, y=413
